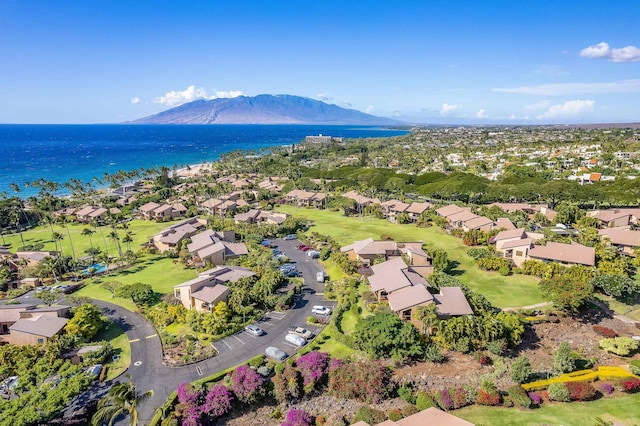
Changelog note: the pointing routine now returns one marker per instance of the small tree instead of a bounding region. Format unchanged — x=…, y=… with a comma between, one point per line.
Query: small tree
x=247, y=384
x=563, y=361
x=520, y=370
x=86, y=322
x=112, y=287
x=565, y=292
x=140, y=294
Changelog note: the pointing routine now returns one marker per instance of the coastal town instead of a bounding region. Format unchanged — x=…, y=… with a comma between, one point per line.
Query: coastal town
x=448, y=276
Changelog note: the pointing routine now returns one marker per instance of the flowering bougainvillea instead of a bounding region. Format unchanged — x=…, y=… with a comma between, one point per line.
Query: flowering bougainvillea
x=607, y=388
x=535, y=398
x=297, y=417
x=314, y=367
x=362, y=380
x=217, y=401
x=247, y=384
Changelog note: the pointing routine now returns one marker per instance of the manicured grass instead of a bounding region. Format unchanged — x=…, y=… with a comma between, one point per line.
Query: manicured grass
x=140, y=230
x=120, y=342
x=515, y=290
x=159, y=272
x=326, y=342
x=631, y=310
x=623, y=410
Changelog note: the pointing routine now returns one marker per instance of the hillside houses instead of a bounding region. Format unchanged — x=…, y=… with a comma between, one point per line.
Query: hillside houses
x=26, y=324
x=302, y=198
x=463, y=218
x=90, y=214
x=611, y=218
x=626, y=240
x=215, y=247
x=406, y=290
x=261, y=216
x=208, y=288
x=222, y=206
x=369, y=250
x=162, y=211
x=171, y=237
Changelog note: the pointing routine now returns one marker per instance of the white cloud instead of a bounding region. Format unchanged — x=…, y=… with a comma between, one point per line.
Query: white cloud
x=569, y=109
x=603, y=50
x=323, y=97
x=538, y=106
x=193, y=93
x=369, y=109
x=447, y=109
x=135, y=100
x=482, y=114
x=560, y=89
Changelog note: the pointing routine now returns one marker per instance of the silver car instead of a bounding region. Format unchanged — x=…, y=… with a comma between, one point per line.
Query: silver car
x=254, y=330
x=275, y=353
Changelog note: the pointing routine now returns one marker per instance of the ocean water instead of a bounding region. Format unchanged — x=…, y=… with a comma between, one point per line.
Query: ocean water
x=60, y=152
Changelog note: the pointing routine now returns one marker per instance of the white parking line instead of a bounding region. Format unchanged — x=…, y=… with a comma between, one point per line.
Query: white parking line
x=225, y=342
x=199, y=370
x=238, y=339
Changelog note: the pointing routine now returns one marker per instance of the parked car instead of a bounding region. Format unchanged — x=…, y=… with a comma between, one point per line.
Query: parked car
x=292, y=273
x=302, y=332
x=320, y=277
x=295, y=339
x=265, y=243
x=321, y=310
x=314, y=254
x=301, y=246
x=41, y=289
x=287, y=267
x=290, y=237
x=254, y=330
x=95, y=370
x=275, y=353
x=306, y=248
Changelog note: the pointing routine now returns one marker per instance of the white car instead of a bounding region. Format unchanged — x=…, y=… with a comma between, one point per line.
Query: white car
x=321, y=310
x=254, y=330
x=295, y=339
x=290, y=237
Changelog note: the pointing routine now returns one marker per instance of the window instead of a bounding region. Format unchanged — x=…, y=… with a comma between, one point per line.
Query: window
x=519, y=253
x=40, y=341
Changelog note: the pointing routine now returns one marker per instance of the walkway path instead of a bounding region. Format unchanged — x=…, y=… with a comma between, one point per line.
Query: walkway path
x=519, y=308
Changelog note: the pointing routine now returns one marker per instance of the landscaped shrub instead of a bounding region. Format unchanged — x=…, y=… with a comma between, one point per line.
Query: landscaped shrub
x=424, y=401
x=484, y=360
x=321, y=420
x=296, y=417
x=607, y=389
x=520, y=370
x=634, y=366
x=432, y=353
x=217, y=402
x=563, y=361
x=369, y=415
x=395, y=414
x=630, y=385
x=312, y=320
x=287, y=385
x=463, y=345
x=337, y=419
x=459, y=397
x=479, y=253
x=497, y=347
x=361, y=380
x=604, y=331
x=405, y=392
x=519, y=396
x=580, y=391
x=488, y=398
x=409, y=410
x=443, y=398
x=558, y=392
x=535, y=398
x=247, y=384
x=314, y=368
x=622, y=346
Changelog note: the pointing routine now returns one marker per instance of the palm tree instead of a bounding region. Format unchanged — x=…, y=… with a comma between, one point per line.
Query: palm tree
x=88, y=232
x=128, y=240
x=122, y=399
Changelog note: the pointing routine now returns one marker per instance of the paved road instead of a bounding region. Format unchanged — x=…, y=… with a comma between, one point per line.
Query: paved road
x=148, y=371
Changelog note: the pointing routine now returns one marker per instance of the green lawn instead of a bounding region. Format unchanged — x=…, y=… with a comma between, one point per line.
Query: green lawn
x=159, y=272
x=623, y=410
x=326, y=342
x=516, y=290
x=141, y=231
x=120, y=342
x=631, y=310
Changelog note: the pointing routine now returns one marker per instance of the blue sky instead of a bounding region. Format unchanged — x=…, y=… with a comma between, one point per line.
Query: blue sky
x=533, y=61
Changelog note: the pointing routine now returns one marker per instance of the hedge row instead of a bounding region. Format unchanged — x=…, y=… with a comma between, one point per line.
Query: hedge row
x=603, y=373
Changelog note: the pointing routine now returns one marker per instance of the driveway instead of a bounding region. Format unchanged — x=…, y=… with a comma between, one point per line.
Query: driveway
x=148, y=371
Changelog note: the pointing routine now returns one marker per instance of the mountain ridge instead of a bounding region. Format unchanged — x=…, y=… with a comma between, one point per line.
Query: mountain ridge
x=263, y=109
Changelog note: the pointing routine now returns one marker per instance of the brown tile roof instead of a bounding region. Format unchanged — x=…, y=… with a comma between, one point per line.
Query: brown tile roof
x=451, y=301
x=507, y=235
x=570, y=253
x=44, y=325
x=517, y=243
x=621, y=236
x=148, y=207
x=447, y=211
x=462, y=216
x=388, y=276
x=505, y=222
x=210, y=294
x=418, y=208
x=478, y=222
x=433, y=417
x=408, y=297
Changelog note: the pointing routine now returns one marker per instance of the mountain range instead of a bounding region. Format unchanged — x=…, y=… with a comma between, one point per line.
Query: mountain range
x=263, y=109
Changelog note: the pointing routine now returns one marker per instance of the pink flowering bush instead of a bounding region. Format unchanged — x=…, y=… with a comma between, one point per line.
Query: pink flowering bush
x=535, y=398
x=366, y=381
x=217, y=402
x=197, y=408
x=297, y=417
x=314, y=368
x=247, y=384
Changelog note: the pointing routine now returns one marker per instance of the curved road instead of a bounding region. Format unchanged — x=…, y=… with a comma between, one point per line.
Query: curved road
x=148, y=371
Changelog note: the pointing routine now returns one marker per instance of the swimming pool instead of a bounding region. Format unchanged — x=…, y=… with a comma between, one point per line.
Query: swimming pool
x=98, y=268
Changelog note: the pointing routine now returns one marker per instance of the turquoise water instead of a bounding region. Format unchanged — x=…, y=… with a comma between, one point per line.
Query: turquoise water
x=59, y=152
x=98, y=269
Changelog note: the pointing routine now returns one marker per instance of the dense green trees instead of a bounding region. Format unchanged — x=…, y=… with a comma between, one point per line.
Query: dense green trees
x=565, y=292
x=122, y=399
x=86, y=322
x=384, y=335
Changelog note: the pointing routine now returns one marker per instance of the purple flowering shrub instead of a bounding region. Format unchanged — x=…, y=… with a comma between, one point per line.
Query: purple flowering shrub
x=535, y=398
x=297, y=417
x=314, y=368
x=607, y=388
x=218, y=400
x=196, y=408
x=247, y=384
